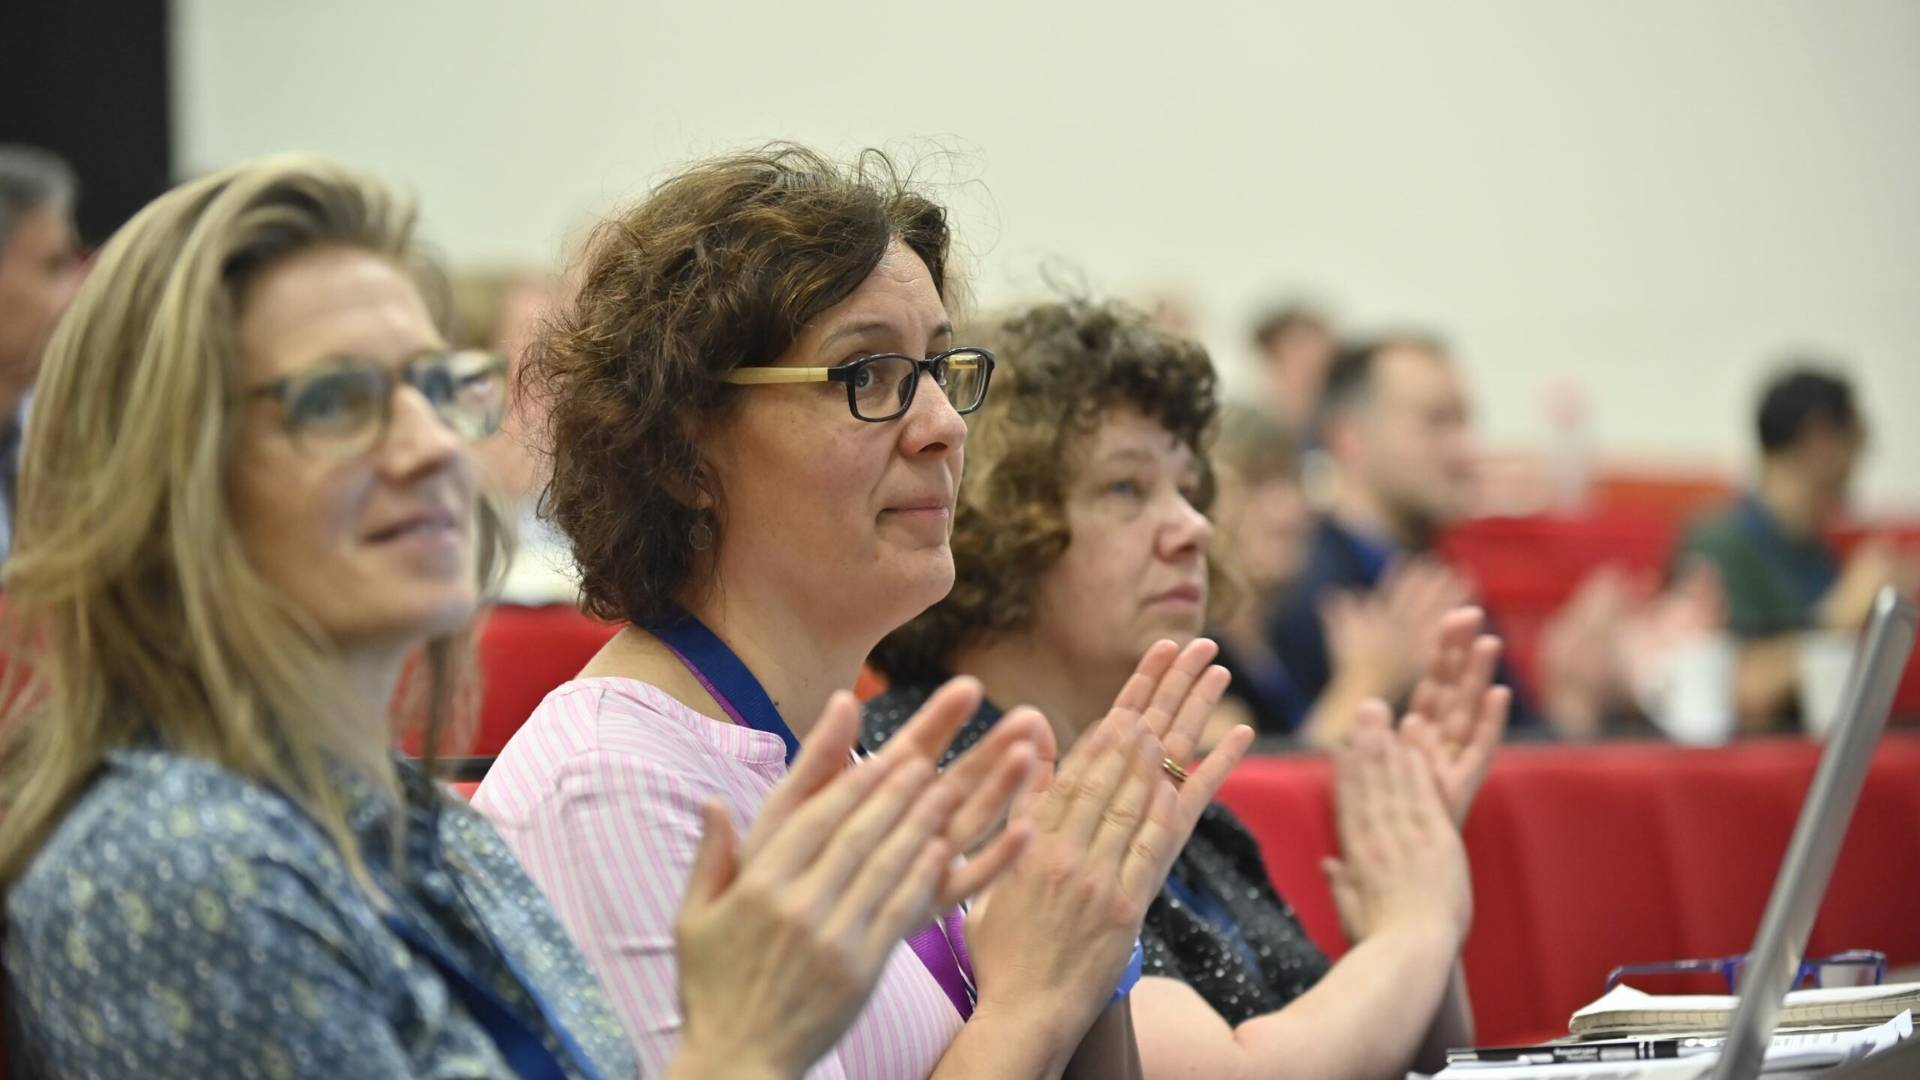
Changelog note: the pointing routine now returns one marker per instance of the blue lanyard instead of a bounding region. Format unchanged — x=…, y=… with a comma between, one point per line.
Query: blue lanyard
x=723, y=675
x=517, y=1042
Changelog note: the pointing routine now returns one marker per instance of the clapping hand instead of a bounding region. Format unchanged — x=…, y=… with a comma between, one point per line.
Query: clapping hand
x=1457, y=716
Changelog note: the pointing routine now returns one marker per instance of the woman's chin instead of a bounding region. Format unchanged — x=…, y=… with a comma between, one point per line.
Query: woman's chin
x=1179, y=627
x=918, y=584
x=418, y=622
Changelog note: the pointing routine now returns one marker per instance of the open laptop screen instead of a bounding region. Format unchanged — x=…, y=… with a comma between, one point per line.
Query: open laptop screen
x=1774, y=961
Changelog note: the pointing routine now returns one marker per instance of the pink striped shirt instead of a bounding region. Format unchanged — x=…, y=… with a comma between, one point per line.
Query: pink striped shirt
x=599, y=795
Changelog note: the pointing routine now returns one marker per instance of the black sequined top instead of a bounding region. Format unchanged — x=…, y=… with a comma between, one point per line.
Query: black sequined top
x=1217, y=926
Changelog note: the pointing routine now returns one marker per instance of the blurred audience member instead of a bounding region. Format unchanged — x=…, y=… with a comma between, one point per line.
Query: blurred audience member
x=39, y=269
x=504, y=311
x=1296, y=346
x=1263, y=528
x=1173, y=309
x=1261, y=522
x=1621, y=648
x=1781, y=575
x=1396, y=423
x=1393, y=420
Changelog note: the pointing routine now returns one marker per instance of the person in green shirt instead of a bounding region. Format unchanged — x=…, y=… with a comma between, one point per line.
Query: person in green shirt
x=1781, y=576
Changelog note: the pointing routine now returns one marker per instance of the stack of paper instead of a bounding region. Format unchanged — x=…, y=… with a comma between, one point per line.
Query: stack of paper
x=1624, y=1011
x=1790, y=1057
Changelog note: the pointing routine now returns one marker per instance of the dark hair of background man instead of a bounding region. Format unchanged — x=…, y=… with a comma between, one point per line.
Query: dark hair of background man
x=1798, y=398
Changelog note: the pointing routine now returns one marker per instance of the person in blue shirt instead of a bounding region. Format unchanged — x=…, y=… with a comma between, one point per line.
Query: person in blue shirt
x=1395, y=422
x=39, y=264
x=1263, y=530
x=1396, y=425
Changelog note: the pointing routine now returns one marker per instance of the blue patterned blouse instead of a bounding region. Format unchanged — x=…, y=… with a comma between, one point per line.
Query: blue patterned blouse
x=184, y=922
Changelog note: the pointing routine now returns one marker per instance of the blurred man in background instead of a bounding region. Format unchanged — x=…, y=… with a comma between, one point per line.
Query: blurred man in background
x=1393, y=420
x=1396, y=424
x=39, y=269
x=504, y=311
x=1262, y=532
x=1781, y=575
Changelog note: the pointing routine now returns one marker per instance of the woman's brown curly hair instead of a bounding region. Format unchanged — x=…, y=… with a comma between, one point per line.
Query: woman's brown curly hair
x=1062, y=366
x=721, y=266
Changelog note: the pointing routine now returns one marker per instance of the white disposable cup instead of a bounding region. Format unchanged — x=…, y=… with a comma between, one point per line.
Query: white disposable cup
x=1695, y=703
x=1824, y=659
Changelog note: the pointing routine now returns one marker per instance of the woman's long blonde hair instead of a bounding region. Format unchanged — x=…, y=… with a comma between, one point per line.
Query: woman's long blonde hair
x=130, y=603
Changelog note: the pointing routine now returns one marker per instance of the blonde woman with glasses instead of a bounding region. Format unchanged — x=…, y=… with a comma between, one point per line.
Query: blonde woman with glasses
x=248, y=509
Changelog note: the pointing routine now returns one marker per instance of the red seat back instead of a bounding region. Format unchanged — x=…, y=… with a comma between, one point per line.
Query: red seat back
x=1729, y=814
x=1524, y=569
x=1588, y=857
x=1576, y=854
x=524, y=653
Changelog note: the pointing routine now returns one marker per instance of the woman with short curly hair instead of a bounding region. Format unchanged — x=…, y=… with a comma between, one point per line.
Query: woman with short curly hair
x=1082, y=536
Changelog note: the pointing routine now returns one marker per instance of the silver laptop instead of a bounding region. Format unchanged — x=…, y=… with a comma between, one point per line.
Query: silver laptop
x=1773, y=963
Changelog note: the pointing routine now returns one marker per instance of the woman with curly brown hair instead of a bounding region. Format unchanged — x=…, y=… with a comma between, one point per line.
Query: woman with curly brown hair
x=755, y=411
x=1082, y=534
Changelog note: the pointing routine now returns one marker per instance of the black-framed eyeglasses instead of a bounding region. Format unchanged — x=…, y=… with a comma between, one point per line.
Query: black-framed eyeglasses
x=881, y=387
x=342, y=408
x=1855, y=967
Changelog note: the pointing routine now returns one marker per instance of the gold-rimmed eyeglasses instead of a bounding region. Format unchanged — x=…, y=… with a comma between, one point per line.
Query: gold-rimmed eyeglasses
x=881, y=387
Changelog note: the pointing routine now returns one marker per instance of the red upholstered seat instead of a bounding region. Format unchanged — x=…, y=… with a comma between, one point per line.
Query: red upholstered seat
x=1729, y=814
x=1562, y=837
x=1524, y=569
x=1872, y=901
x=524, y=653
x=1588, y=857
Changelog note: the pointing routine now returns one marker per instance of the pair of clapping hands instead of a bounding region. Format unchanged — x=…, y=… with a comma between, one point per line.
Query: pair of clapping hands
x=783, y=935
x=1401, y=795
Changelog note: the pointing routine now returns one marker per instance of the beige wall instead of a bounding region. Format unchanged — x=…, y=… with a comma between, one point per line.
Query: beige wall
x=1650, y=197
